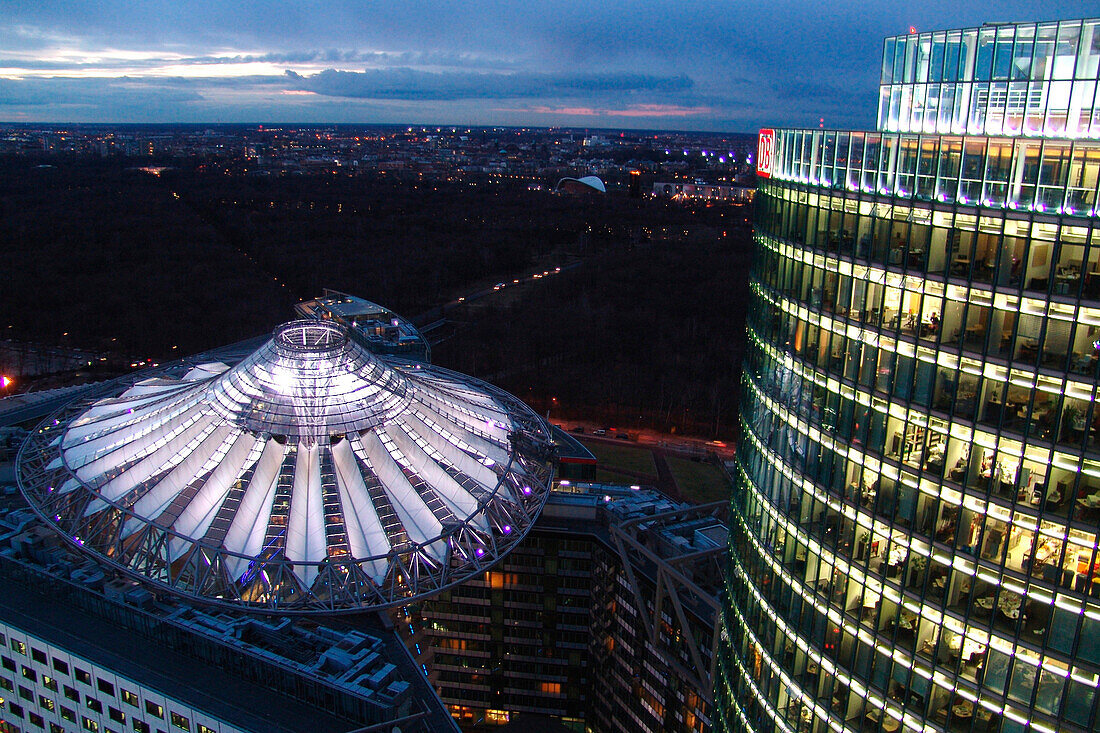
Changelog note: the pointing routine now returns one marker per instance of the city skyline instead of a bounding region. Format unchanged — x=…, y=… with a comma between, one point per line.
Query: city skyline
x=638, y=65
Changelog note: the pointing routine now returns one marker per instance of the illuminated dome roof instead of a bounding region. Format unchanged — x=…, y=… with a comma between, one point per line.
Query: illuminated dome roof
x=588, y=184
x=311, y=476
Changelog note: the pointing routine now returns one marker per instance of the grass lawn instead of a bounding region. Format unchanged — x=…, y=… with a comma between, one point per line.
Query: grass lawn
x=625, y=457
x=699, y=482
x=610, y=477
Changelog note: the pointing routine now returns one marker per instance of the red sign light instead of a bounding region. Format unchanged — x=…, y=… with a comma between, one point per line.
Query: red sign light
x=765, y=148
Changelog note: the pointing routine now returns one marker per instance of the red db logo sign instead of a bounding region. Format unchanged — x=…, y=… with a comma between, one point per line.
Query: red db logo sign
x=765, y=148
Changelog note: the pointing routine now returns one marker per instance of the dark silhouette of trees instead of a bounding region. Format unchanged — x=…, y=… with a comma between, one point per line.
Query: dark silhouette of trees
x=646, y=330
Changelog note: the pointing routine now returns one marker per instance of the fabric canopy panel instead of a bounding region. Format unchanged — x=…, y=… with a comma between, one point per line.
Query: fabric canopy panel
x=313, y=475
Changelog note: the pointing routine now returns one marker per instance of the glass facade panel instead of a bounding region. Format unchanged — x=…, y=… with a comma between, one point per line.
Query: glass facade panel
x=1051, y=176
x=980, y=81
x=914, y=524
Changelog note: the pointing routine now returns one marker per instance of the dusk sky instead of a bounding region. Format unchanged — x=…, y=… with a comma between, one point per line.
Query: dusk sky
x=724, y=66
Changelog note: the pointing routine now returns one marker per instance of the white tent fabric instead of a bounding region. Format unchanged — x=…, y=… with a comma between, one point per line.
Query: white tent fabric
x=249, y=526
x=365, y=533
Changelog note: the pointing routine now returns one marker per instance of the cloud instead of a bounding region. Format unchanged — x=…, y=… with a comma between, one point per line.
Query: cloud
x=59, y=91
x=115, y=60
x=714, y=65
x=408, y=58
x=635, y=110
x=413, y=84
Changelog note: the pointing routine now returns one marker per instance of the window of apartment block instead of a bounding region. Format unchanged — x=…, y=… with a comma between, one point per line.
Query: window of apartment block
x=62, y=667
x=153, y=709
x=128, y=697
x=181, y=722
x=38, y=655
x=105, y=686
x=82, y=676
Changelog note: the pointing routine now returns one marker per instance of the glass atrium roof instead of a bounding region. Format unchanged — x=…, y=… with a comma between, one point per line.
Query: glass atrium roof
x=310, y=476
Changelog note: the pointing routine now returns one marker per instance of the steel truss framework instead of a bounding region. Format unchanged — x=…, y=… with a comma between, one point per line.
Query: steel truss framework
x=672, y=579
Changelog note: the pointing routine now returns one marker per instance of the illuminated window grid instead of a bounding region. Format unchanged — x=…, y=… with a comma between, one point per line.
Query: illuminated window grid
x=1062, y=601
x=914, y=415
x=910, y=283
x=916, y=286
x=917, y=665
x=878, y=527
x=926, y=84
x=822, y=158
x=924, y=485
x=1031, y=380
x=958, y=685
x=910, y=721
x=960, y=217
x=874, y=336
x=812, y=653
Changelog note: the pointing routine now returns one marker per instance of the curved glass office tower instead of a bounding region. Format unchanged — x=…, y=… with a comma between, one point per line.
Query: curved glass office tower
x=914, y=529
